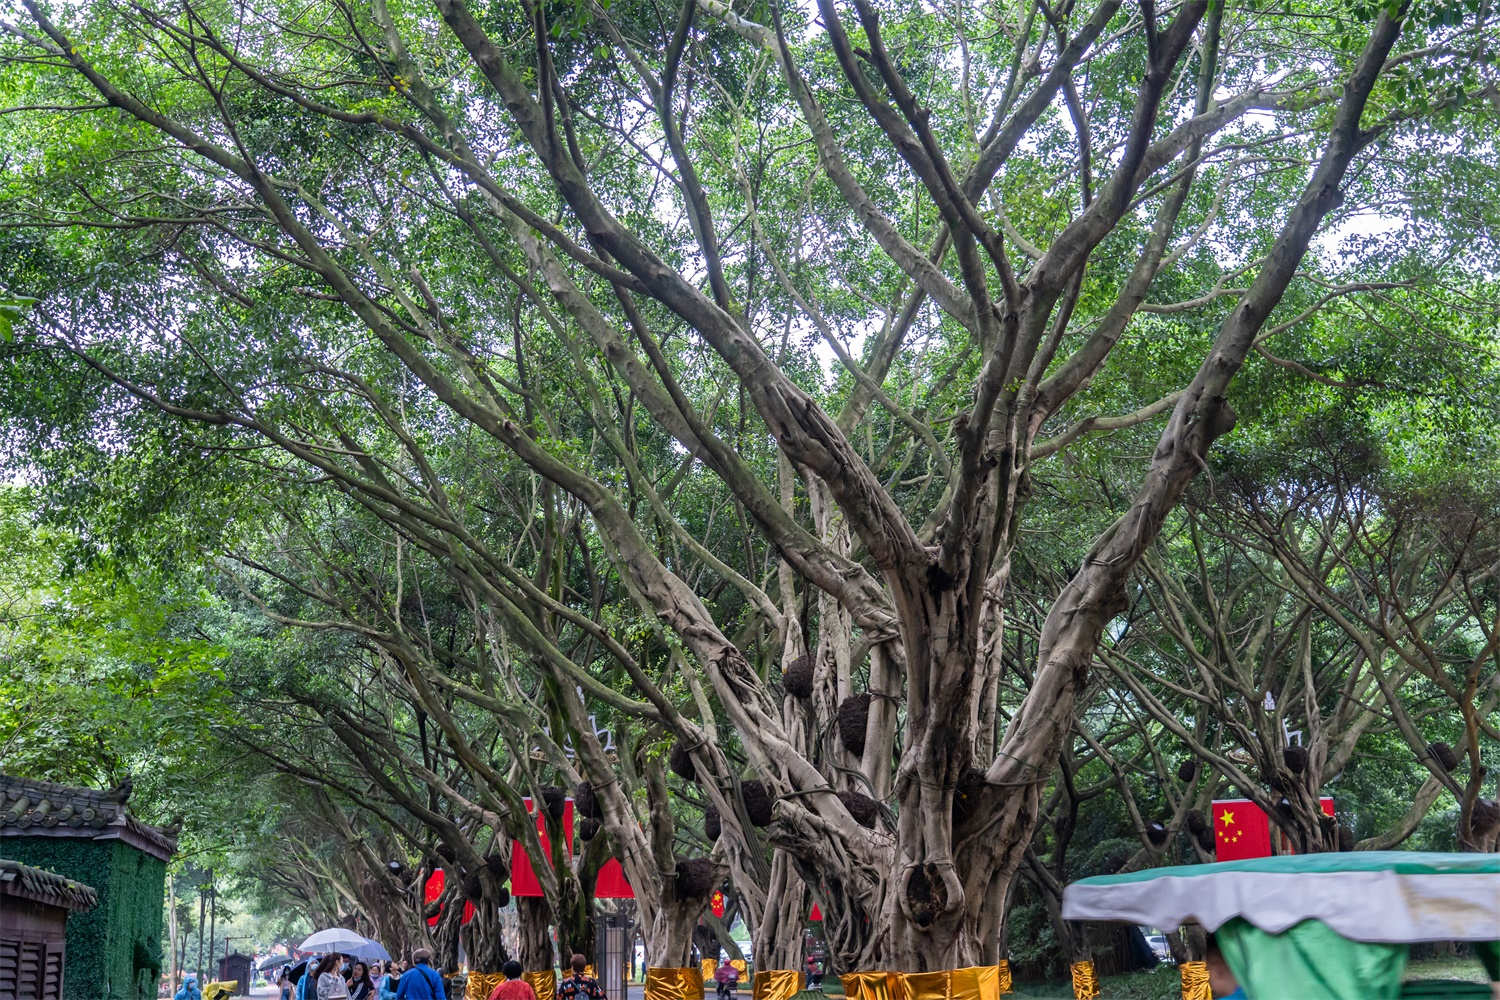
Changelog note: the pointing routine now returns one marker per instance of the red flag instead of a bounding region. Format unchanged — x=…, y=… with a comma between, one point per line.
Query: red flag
x=432, y=889
x=1241, y=830
x=611, y=882
x=816, y=913
x=523, y=880
x=716, y=903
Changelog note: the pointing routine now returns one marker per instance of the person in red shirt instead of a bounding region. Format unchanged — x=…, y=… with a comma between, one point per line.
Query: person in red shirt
x=514, y=987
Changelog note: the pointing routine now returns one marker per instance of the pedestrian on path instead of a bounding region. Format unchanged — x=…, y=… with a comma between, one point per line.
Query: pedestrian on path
x=361, y=986
x=331, y=985
x=188, y=990
x=728, y=977
x=388, y=980
x=579, y=986
x=514, y=987
x=307, y=985
x=421, y=981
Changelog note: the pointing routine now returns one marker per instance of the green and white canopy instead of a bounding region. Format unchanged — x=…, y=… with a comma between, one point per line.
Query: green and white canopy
x=1394, y=897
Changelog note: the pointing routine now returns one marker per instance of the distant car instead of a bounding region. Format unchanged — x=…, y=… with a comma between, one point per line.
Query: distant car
x=1158, y=944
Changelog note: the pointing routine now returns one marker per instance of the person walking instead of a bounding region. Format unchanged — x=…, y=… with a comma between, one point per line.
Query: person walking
x=514, y=987
x=727, y=977
x=421, y=981
x=579, y=986
x=284, y=983
x=330, y=983
x=361, y=986
x=386, y=984
x=189, y=989
x=814, y=972
x=307, y=985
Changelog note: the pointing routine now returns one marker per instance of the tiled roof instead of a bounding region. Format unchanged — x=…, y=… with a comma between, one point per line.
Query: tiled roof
x=29, y=807
x=26, y=882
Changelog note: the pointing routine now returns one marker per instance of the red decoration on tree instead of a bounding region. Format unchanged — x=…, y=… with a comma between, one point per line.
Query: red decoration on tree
x=431, y=890
x=1243, y=830
x=611, y=883
x=716, y=903
x=816, y=913
x=468, y=912
x=523, y=880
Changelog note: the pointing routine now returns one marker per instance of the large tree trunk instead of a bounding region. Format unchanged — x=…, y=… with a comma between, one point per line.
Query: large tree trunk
x=535, y=932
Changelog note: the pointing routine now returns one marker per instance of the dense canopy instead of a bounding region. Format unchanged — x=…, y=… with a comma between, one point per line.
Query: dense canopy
x=792, y=430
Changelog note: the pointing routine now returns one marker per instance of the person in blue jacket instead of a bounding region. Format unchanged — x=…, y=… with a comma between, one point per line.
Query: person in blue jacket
x=189, y=989
x=421, y=981
x=307, y=986
x=389, y=981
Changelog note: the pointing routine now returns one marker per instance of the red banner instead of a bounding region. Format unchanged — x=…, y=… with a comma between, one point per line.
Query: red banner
x=431, y=890
x=716, y=903
x=611, y=883
x=1243, y=830
x=523, y=880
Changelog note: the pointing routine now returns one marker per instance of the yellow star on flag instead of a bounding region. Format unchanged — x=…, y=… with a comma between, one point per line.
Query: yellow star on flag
x=1228, y=818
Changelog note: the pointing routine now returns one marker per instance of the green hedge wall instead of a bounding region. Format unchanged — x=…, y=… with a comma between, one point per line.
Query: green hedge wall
x=114, y=950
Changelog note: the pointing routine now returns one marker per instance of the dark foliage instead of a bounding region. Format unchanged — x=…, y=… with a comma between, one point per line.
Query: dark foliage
x=586, y=803
x=798, y=678
x=695, y=878
x=556, y=800
x=854, y=714
x=864, y=809
x=1443, y=754
x=757, y=802
x=681, y=763
x=1295, y=759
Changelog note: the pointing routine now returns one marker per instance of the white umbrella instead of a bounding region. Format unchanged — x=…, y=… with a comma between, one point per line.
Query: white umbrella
x=334, y=939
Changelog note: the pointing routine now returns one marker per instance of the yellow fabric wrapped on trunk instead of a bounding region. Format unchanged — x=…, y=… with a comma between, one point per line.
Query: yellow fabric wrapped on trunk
x=981, y=982
x=674, y=984
x=1002, y=973
x=482, y=984
x=776, y=984
x=1195, y=981
x=976, y=983
x=1085, y=982
x=875, y=986
x=544, y=983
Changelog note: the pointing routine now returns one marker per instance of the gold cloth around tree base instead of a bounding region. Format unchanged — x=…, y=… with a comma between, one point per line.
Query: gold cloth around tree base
x=1195, y=981
x=482, y=984
x=1002, y=972
x=1085, y=982
x=776, y=984
x=982, y=982
x=544, y=983
x=674, y=984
